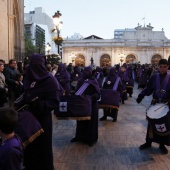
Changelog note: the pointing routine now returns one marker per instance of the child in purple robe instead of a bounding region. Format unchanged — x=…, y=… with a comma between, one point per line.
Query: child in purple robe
x=159, y=87
x=11, y=148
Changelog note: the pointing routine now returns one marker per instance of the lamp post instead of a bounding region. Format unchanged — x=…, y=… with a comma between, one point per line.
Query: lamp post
x=58, y=26
x=92, y=60
x=122, y=57
x=72, y=56
x=48, y=48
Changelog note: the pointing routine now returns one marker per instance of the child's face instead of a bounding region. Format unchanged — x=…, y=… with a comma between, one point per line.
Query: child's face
x=163, y=68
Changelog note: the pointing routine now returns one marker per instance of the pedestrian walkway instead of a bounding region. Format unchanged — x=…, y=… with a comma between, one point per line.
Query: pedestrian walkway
x=117, y=146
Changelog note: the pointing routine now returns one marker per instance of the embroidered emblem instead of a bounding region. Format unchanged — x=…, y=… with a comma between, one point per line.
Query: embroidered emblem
x=109, y=82
x=32, y=84
x=161, y=128
x=63, y=106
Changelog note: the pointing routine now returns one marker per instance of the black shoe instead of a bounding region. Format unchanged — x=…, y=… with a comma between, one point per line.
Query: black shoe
x=74, y=140
x=163, y=149
x=130, y=95
x=114, y=120
x=123, y=102
x=145, y=146
x=103, y=118
x=92, y=143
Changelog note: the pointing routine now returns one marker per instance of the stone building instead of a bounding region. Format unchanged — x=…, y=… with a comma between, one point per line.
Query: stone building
x=140, y=44
x=12, y=29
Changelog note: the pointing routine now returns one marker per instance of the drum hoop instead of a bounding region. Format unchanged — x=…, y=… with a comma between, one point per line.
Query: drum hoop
x=157, y=108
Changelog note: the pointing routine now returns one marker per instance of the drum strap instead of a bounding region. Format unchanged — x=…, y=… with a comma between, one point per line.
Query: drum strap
x=98, y=75
x=164, y=84
x=82, y=89
x=103, y=81
x=133, y=75
x=116, y=84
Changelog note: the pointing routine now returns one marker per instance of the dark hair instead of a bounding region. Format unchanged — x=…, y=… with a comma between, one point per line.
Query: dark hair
x=163, y=61
x=8, y=120
x=11, y=61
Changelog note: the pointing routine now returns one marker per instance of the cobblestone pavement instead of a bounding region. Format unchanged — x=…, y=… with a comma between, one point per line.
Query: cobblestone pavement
x=117, y=146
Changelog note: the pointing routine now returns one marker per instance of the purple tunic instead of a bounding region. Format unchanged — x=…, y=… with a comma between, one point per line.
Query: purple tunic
x=11, y=154
x=63, y=77
x=40, y=83
x=99, y=76
x=124, y=79
x=108, y=84
x=87, y=130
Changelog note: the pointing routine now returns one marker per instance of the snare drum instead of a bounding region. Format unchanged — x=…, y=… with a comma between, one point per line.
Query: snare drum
x=159, y=118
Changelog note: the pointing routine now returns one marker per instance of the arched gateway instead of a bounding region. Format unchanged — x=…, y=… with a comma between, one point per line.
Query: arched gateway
x=130, y=58
x=80, y=60
x=105, y=60
x=155, y=59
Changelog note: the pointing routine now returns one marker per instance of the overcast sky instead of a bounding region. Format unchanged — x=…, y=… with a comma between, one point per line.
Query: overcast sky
x=102, y=17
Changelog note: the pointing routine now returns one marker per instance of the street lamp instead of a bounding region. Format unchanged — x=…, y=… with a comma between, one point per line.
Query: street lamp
x=58, y=26
x=48, y=48
x=72, y=56
x=122, y=57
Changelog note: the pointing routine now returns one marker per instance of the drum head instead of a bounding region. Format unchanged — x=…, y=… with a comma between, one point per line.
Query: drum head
x=157, y=111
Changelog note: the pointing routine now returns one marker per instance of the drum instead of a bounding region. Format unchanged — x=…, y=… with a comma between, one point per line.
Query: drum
x=159, y=118
x=75, y=107
x=110, y=97
x=28, y=127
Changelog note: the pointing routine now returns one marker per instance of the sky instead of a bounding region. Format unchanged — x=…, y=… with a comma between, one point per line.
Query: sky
x=102, y=17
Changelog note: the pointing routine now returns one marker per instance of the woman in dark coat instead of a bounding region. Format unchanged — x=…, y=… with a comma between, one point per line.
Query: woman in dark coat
x=87, y=130
x=108, y=84
x=38, y=82
x=63, y=78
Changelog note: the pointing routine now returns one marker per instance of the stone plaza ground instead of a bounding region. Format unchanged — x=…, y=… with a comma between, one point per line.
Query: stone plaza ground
x=117, y=146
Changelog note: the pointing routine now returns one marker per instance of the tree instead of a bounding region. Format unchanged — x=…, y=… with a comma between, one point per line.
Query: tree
x=29, y=47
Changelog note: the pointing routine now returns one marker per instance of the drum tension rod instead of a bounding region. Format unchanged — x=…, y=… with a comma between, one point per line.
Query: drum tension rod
x=161, y=106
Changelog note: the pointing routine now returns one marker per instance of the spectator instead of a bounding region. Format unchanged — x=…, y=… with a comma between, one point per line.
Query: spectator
x=11, y=147
x=11, y=79
x=3, y=91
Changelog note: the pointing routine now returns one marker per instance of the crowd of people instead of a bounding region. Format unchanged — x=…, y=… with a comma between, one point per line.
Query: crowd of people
x=37, y=86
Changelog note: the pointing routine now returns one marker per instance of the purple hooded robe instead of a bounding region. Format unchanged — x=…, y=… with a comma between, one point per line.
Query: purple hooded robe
x=38, y=82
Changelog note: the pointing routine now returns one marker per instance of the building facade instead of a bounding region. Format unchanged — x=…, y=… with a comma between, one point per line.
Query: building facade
x=39, y=18
x=12, y=29
x=140, y=44
x=36, y=35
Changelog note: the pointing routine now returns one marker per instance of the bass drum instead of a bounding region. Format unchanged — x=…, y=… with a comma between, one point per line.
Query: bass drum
x=158, y=116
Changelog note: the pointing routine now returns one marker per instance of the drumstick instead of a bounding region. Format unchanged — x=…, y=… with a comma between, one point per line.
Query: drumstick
x=161, y=106
x=27, y=104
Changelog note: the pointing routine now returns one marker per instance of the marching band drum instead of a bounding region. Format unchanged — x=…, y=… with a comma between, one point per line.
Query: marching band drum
x=159, y=118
